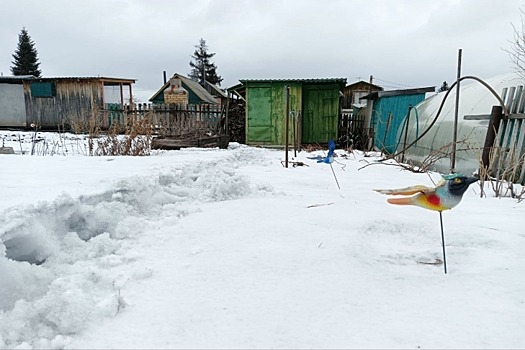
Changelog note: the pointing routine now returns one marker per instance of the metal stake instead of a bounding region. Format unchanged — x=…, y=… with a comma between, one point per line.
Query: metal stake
x=333, y=172
x=443, y=242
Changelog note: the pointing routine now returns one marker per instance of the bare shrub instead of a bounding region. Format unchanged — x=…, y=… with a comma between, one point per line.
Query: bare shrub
x=132, y=139
x=85, y=123
x=428, y=163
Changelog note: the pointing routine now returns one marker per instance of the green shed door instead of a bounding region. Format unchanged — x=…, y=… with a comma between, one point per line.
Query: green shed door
x=320, y=114
x=259, y=128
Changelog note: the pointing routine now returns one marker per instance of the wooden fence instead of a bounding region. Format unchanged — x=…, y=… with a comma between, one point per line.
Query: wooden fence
x=352, y=132
x=509, y=150
x=506, y=155
x=171, y=119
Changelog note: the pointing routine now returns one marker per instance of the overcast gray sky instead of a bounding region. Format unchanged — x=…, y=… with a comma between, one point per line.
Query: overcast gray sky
x=402, y=43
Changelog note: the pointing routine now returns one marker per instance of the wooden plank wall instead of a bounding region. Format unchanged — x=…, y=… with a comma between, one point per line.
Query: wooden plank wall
x=73, y=101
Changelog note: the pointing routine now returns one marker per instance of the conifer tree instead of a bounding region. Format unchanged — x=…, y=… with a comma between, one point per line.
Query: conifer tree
x=444, y=87
x=202, y=68
x=25, y=57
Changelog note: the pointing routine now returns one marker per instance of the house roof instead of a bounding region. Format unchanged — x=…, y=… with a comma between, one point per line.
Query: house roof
x=17, y=79
x=372, y=86
x=314, y=80
x=106, y=80
x=217, y=89
x=192, y=85
x=378, y=94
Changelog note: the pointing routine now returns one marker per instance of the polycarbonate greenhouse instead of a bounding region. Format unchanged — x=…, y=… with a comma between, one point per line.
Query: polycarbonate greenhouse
x=475, y=106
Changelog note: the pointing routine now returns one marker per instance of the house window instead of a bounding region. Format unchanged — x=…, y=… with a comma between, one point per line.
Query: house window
x=358, y=95
x=43, y=89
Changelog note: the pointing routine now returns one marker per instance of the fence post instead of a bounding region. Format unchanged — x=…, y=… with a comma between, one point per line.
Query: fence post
x=388, y=122
x=287, y=122
x=492, y=131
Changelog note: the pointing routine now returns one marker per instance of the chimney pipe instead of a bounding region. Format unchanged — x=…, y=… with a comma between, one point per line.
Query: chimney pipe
x=164, y=75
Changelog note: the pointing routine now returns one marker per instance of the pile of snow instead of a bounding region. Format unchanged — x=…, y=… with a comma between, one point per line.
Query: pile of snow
x=209, y=248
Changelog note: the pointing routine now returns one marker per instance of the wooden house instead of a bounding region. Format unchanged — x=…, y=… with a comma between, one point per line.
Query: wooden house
x=313, y=110
x=352, y=93
x=184, y=91
x=52, y=103
x=219, y=94
x=386, y=112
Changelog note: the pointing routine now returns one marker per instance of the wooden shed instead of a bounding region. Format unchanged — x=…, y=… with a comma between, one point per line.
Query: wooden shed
x=387, y=111
x=314, y=106
x=53, y=103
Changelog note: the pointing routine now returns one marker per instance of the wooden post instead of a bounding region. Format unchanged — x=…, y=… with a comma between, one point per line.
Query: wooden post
x=121, y=86
x=492, y=131
x=295, y=135
x=287, y=122
x=104, y=111
x=131, y=99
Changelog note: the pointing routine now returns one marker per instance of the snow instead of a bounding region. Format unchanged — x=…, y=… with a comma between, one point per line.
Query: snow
x=210, y=248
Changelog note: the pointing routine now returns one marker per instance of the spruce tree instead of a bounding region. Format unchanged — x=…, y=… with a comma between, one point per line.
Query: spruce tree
x=25, y=57
x=201, y=64
x=444, y=87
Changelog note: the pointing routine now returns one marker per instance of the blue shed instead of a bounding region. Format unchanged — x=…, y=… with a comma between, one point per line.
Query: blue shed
x=388, y=112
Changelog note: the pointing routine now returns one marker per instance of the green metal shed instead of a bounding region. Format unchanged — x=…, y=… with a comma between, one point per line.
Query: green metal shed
x=314, y=102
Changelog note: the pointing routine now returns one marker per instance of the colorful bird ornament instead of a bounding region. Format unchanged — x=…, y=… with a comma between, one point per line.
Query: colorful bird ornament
x=445, y=196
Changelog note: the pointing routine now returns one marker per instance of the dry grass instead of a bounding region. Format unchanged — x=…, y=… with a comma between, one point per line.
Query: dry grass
x=504, y=174
x=132, y=139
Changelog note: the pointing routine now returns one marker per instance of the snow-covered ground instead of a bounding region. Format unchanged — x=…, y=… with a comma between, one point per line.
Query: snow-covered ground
x=209, y=248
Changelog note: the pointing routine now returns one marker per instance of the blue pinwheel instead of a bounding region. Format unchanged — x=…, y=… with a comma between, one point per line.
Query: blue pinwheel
x=329, y=159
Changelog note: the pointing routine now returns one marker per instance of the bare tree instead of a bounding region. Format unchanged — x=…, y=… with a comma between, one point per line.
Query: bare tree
x=517, y=50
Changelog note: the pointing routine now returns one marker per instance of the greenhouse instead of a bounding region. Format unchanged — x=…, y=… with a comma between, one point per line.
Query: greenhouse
x=475, y=105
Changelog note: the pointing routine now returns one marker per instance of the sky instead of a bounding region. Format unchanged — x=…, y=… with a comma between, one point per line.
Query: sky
x=226, y=248
x=401, y=43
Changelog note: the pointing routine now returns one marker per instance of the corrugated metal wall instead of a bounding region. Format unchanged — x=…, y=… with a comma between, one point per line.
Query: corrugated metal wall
x=388, y=116
x=317, y=104
x=320, y=113
x=266, y=101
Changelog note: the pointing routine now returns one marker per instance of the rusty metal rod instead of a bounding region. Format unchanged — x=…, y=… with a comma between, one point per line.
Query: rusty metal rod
x=456, y=117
